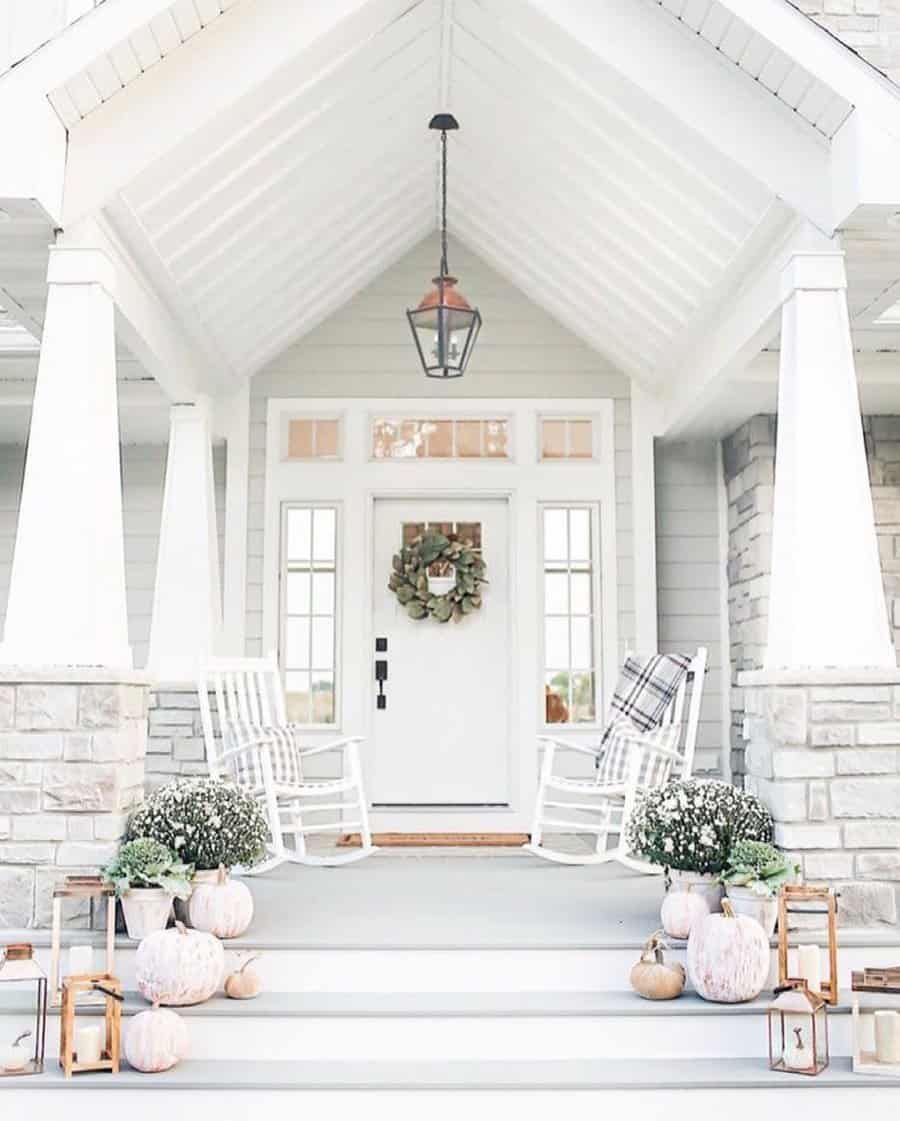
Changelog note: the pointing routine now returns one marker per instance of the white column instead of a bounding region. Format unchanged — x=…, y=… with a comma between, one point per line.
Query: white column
x=187, y=606
x=643, y=489
x=236, y=416
x=827, y=605
x=67, y=592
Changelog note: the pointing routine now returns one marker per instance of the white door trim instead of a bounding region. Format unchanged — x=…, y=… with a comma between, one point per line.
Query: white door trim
x=351, y=485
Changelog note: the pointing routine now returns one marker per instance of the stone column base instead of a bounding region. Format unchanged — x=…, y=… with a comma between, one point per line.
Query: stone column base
x=823, y=753
x=72, y=747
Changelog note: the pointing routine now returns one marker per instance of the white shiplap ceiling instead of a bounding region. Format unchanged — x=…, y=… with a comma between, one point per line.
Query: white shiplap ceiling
x=592, y=198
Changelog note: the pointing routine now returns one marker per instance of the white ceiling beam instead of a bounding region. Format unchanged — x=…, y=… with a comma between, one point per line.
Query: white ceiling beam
x=680, y=72
x=145, y=325
x=234, y=55
x=747, y=318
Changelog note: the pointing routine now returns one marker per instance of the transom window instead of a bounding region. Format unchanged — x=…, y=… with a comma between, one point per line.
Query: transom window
x=567, y=438
x=440, y=438
x=309, y=610
x=570, y=670
x=313, y=438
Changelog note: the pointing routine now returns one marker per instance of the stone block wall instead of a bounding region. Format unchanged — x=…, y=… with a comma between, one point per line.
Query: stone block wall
x=823, y=753
x=72, y=749
x=175, y=744
x=870, y=27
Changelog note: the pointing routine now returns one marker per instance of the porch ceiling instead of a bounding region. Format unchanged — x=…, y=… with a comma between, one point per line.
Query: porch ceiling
x=625, y=165
x=588, y=193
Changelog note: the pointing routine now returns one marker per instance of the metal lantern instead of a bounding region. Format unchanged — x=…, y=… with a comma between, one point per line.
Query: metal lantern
x=17, y=966
x=444, y=325
x=798, y=1031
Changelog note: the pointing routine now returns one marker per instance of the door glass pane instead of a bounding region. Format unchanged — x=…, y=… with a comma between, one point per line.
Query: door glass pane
x=581, y=643
x=299, y=534
x=556, y=642
x=556, y=535
x=584, y=708
x=296, y=686
x=323, y=698
x=323, y=534
x=322, y=643
x=580, y=535
x=556, y=593
x=297, y=593
x=556, y=698
x=581, y=593
x=323, y=593
x=296, y=642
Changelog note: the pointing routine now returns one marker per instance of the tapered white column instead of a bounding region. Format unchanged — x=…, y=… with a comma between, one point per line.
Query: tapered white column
x=187, y=606
x=67, y=592
x=643, y=483
x=827, y=605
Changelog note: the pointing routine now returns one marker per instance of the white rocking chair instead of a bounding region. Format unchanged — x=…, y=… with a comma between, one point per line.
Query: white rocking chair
x=570, y=806
x=261, y=753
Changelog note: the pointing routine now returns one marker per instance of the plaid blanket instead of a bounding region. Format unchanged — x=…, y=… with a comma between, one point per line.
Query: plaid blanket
x=621, y=737
x=645, y=689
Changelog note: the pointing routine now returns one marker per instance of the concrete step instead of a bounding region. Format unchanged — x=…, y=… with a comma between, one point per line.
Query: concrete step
x=540, y=967
x=463, y=1026
x=404, y=1089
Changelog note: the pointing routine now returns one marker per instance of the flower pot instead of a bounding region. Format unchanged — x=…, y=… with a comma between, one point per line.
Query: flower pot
x=704, y=883
x=763, y=908
x=146, y=910
x=201, y=876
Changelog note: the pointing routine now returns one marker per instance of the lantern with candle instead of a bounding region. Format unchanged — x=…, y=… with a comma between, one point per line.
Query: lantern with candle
x=798, y=1030
x=876, y=1021
x=90, y=1043
x=815, y=966
x=24, y=1052
x=79, y=958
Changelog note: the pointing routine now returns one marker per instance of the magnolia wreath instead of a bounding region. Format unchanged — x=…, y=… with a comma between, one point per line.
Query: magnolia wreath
x=409, y=578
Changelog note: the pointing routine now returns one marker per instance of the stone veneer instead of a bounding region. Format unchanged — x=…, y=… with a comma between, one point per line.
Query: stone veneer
x=175, y=743
x=823, y=753
x=749, y=461
x=72, y=746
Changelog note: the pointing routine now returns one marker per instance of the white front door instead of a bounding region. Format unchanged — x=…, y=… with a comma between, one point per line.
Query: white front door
x=442, y=741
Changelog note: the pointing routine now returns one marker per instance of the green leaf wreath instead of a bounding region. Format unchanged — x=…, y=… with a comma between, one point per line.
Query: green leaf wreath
x=409, y=578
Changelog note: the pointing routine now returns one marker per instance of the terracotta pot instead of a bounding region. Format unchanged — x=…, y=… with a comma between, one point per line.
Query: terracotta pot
x=763, y=908
x=701, y=883
x=146, y=910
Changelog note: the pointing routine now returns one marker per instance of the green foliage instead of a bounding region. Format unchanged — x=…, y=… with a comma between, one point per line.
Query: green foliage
x=145, y=862
x=409, y=578
x=758, y=866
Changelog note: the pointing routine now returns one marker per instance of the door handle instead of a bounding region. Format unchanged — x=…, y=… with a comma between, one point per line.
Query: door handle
x=381, y=673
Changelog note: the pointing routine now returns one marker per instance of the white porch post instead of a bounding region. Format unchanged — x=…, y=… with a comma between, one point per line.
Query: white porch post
x=827, y=605
x=187, y=608
x=237, y=435
x=67, y=592
x=643, y=482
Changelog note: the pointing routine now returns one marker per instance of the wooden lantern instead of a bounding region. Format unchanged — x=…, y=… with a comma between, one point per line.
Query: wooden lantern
x=110, y=990
x=18, y=967
x=876, y=1021
x=798, y=1031
x=808, y=899
x=98, y=892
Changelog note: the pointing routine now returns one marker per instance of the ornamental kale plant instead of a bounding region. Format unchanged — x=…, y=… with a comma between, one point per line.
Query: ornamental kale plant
x=758, y=866
x=693, y=824
x=206, y=821
x=144, y=863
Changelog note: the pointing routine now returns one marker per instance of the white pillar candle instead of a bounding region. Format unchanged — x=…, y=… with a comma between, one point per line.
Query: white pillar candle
x=81, y=959
x=798, y=1042
x=887, y=1036
x=89, y=1043
x=809, y=967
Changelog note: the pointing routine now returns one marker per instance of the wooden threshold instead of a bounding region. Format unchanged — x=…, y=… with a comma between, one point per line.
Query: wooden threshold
x=438, y=840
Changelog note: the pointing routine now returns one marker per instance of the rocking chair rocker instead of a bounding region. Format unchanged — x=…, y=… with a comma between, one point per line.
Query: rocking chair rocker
x=260, y=751
x=602, y=806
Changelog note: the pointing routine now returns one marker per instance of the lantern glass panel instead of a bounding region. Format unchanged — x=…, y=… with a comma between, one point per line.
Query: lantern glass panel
x=26, y=1055
x=444, y=338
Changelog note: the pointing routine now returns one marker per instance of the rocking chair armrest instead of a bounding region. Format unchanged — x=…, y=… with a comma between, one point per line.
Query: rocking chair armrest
x=572, y=745
x=334, y=745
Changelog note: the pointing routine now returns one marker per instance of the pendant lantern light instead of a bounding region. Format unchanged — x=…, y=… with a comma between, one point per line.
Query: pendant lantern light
x=444, y=325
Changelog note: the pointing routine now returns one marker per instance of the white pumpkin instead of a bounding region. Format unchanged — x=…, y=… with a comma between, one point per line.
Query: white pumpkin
x=156, y=1040
x=223, y=908
x=728, y=957
x=681, y=908
x=179, y=966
